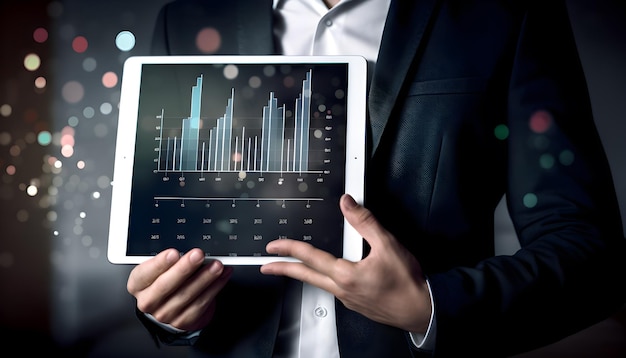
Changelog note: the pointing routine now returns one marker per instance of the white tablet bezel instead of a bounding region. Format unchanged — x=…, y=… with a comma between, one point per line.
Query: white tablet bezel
x=127, y=130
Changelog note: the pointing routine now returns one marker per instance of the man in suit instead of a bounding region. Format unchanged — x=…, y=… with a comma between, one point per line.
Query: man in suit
x=469, y=101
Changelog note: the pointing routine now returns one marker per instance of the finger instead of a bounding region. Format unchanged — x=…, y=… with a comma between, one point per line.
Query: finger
x=363, y=221
x=170, y=280
x=146, y=273
x=315, y=258
x=300, y=271
x=188, y=307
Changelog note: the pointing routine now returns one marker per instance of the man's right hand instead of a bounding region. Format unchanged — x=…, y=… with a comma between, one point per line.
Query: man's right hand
x=176, y=290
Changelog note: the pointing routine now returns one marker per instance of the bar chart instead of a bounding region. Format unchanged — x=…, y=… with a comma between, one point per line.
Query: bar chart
x=229, y=157
x=269, y=145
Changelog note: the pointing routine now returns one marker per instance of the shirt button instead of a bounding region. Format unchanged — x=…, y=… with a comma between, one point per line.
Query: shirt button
x=329, y=22
x=320, y=312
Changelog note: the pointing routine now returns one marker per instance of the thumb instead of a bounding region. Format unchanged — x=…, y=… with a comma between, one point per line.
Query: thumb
x=363, y=221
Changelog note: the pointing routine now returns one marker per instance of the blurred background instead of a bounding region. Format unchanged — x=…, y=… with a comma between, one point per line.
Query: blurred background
x=60, y=73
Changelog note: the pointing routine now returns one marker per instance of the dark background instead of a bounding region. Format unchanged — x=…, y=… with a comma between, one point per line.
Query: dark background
x=58, y=292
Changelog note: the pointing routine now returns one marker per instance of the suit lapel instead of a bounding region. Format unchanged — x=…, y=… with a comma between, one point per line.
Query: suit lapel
x=406, y=25
x=254, y=27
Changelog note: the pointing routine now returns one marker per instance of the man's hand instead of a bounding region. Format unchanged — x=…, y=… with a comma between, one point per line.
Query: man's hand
x=178, y=290
x=387, y=286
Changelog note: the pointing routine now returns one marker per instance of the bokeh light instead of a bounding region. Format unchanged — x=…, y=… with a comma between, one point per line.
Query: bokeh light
x=89, y=64
x=32, y=62
x=73, y=92
x=540, y=121
x=231, y=71
x=106, y=108
x=530, y=200
x=44, y=138
x=40, y=82
x=125, y=41
x=566, y=157
x=40, y=35
x=80, y=44
x=5, y=110
x=208, y=40
x=546, y=161
x=109, y=79
x=501, y=131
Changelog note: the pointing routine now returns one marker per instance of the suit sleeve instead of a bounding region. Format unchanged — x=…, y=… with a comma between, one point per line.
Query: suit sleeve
x=569, y=272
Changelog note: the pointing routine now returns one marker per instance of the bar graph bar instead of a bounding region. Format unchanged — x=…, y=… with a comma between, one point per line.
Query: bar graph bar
x=271, y=144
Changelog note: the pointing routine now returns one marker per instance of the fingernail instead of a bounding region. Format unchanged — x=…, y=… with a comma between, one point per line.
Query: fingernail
x=196, y=257
x=349, y=201
x=172, y=256
x=216, y=267
x=270, y=248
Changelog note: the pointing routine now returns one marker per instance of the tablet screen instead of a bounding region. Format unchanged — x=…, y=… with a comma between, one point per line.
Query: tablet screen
x=227, y=154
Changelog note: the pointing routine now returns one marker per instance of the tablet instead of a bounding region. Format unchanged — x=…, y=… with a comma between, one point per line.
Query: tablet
x=227, y=153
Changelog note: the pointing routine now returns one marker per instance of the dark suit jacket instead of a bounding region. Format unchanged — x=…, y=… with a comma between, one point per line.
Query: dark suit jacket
x=458, y=89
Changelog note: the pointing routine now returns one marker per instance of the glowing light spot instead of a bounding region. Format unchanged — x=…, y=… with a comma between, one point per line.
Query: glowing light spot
x=501, y=131
x=15, y=150
x=11, y=169
x=89, y=112
x=530, y=200
x=58, y=164
x=40, y=82
x=87, y=240
x=101, y=130
x=22, y=215
x=40, y=35
x=109, y=79
x=269, y=71
x=95, y=195
x=242, y=175
x=103, y=182
x=254, y=82
x=5, y=138
x=80, y=164
x=303, y=187
x=318, y=133
x=82, y=214
x=321, y=107
x=73, y=92
x=106, y=108
x=67, y=151
x=32, y=62
x=231, y=72
x=44, y=138
x=31, y=190
x=125, y=41
x=5, y=110
x=52, y=216
x=30, y=137
x=236, y=157
x=67, y=139
x=566, y=157
x=546, y=161
x=540, y=121
x=73, y=121
x=208, y=40
x=289, y=82
x=89, y=64
x=80, y=44
x=340, y=94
